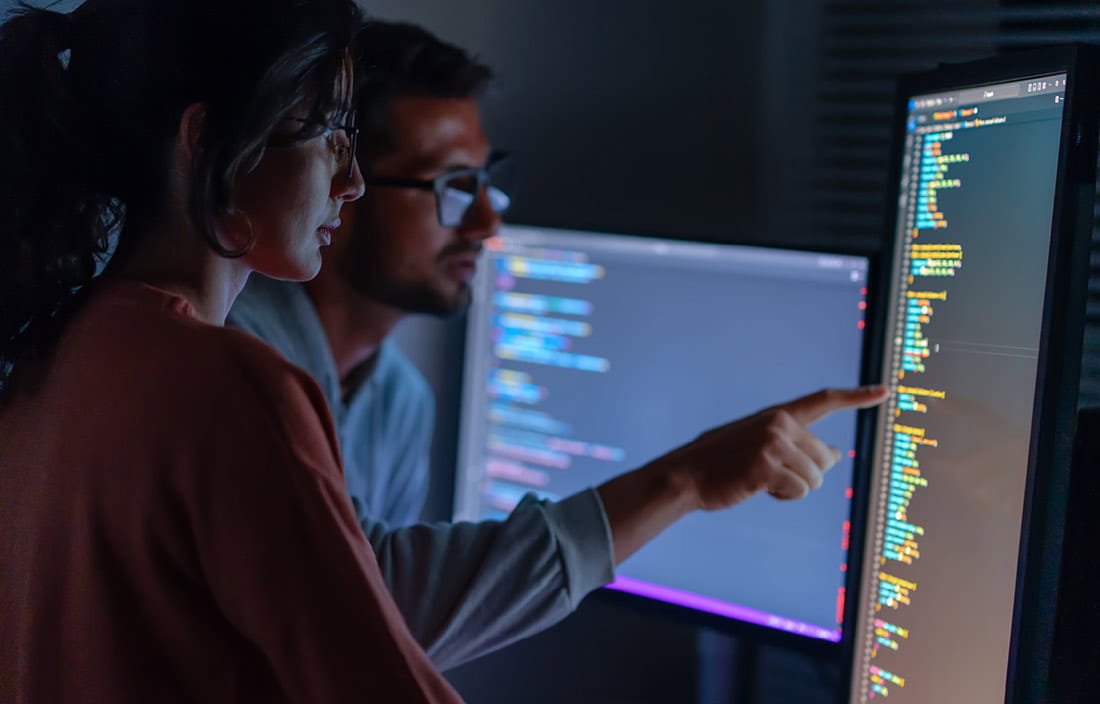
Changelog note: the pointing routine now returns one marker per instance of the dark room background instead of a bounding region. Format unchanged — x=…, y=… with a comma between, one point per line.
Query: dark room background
x=751, y=121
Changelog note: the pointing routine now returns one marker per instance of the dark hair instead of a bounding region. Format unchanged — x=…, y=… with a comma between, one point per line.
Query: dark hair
x=394, y=59
x=90, y=102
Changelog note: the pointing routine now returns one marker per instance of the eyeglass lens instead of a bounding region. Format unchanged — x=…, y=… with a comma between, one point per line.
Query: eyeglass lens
x=459, y=193
x=344, y=140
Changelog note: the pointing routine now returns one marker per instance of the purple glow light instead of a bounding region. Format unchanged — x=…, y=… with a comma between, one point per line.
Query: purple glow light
x=722, y=608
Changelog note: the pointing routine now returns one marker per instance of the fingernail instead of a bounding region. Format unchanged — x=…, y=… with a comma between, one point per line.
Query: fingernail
x=873, y=387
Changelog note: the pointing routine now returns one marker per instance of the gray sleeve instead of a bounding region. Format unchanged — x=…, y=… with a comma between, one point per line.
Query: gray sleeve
x=410, y=474
x=466, y=589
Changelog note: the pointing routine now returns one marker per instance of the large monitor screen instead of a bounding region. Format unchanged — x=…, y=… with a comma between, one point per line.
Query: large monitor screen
x=589, y=354
x=977, y=194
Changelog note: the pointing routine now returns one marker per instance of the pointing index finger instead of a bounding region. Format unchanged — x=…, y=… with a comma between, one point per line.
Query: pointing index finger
x=812, y=408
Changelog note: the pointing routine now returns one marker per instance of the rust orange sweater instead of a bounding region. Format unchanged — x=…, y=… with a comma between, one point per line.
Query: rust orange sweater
x=174, y=527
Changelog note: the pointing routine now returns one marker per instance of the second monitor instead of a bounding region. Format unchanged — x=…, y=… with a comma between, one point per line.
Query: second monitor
x=589, y=354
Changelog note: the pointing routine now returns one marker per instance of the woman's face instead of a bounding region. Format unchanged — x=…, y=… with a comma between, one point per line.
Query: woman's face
x=292, y=199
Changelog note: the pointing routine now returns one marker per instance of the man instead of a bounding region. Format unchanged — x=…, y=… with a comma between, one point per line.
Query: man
x=411, y=245
x=392, y=256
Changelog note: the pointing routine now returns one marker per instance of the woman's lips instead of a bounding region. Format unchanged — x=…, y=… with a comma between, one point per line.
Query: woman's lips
x=327, y=229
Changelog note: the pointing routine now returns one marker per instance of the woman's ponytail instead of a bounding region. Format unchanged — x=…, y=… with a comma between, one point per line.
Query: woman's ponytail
x=54, y=215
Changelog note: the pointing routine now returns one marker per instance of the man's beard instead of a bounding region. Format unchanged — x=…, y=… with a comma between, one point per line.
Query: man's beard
x=418, y=296
x=423, y=298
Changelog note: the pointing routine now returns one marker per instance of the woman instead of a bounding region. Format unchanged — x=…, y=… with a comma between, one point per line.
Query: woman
x=174, y=525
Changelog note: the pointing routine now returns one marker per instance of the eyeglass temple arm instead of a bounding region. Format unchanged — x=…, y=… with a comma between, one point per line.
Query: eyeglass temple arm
x=399, y=182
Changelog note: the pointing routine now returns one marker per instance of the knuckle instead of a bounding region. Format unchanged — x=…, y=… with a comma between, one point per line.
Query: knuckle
x=826, y=395
x=767, y=462
x=782, y=419
x=773, y=435
x=789, y=490
x=764, y=470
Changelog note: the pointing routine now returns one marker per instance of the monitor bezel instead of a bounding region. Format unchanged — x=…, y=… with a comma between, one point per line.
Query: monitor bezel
x=1054, y=414
x=830, y=651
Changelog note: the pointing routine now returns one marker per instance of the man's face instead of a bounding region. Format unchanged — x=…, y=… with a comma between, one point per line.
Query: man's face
x=397, y=252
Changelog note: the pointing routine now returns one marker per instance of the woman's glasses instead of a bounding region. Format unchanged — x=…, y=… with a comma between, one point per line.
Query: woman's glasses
x=342, y=138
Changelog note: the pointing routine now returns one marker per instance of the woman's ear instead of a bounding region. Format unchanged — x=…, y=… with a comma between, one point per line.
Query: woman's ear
x=190, y=132
x=234, y=231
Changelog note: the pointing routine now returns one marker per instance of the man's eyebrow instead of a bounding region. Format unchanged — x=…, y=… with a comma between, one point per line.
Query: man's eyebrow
x=434, y=163
x=461, y=166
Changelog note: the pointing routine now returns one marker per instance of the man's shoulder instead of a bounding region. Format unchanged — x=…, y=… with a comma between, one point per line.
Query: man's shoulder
x=280, y=314
x=399, y=380
x=266, y=304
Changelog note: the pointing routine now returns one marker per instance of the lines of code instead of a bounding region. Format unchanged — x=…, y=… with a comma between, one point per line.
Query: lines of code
x=525, y=443
x=899, y=538
x=589, y=355
x=977, y=190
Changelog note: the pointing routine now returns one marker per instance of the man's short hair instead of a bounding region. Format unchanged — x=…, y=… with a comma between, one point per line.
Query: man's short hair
x=396, y=59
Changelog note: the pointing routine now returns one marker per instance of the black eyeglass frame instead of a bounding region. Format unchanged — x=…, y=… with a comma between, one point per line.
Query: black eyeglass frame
x=328, y=127
x=439, y=184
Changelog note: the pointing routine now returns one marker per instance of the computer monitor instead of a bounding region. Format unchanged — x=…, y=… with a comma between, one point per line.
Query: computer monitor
x=992, y=211
x=588, y=354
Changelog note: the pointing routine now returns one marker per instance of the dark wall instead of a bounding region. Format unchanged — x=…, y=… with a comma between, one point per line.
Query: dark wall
x=686, y=120
x=637, y=117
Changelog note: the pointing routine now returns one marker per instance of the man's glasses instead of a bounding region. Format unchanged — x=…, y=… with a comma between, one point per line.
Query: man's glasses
x=342, y=138
x=457, y=191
